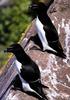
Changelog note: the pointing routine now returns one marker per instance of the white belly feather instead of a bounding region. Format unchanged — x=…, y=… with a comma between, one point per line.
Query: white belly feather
x=41, y=34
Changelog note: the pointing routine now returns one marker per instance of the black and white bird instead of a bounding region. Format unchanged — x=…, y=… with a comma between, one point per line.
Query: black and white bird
x=47, y=33
x=28, y=77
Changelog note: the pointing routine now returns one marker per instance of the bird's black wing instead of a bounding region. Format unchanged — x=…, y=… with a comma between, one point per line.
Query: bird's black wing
x=53, y=41
x=53, y=38
x=51, y=33
x=30, y=72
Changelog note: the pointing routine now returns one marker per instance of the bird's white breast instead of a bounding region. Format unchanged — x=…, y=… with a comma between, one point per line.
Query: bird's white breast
x=42, y=36
x=18, y=66
x=41, y=33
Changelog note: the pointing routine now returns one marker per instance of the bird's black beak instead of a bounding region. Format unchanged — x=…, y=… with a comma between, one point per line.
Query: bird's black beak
x=33, y=6
x=8, y=50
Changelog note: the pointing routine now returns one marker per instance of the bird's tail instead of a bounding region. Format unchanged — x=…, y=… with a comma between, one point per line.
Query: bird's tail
x=59, y=50
x=61, y=54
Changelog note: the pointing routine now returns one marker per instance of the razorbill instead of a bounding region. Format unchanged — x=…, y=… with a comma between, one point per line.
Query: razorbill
x=28, y=72
x=47, y=32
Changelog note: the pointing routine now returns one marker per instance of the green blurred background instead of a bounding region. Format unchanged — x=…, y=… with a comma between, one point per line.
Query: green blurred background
x=13, y=21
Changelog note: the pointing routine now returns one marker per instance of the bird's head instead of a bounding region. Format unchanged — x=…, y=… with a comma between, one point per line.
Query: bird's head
x=38, y=7
x=19, y=53
x=14, y=48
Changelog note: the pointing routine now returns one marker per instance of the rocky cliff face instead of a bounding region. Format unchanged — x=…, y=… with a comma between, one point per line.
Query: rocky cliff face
x=55, y=71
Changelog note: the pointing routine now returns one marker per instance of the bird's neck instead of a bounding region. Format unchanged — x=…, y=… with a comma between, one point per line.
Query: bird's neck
x=23, y=58
x=44, y=18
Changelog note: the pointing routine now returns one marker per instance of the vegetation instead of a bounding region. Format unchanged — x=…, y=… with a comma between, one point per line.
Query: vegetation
x=13, y=21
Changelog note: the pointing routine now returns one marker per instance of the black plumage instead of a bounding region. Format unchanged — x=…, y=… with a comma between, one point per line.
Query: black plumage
x=47, y=32
x=29, y=73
